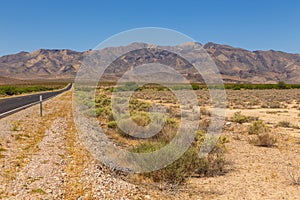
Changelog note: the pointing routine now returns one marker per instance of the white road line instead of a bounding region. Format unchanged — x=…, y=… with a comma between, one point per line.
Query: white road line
x=31, y=104
x=20, y=108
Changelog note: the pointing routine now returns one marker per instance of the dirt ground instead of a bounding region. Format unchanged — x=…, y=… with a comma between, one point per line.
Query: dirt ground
x=43, y=158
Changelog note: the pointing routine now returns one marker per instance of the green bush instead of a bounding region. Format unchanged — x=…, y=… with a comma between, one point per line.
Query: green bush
x=15, y=90
x=112, y=124
x=263, y=135
x=189, y=163
x=103, y=111
x=137, y=105
x=258, y=127
x=195, y=87
x=281, y=85
x=141, y=118
x=239, y=118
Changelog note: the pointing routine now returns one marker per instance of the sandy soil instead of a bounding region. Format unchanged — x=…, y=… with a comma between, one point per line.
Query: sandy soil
x=42, y=158
x=254, y=172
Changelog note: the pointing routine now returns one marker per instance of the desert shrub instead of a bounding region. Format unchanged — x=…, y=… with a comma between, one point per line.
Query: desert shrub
x=171, y=120
x=252, y=118
x=204, y=123
x=147, y=147
x=265, y=139
x=110, y=117
x=112, y=124
x=274, y=104
x=103, y=111
x=15, y=126
x=236, y=87
x=102, y=100
x=239, y=118
x=8, y=90
x=127, y=129
x=264, y=105
x=281, y=85
x=141, y=118
x=195, y=87
x=168, y=131
x=285, y=124
x=204, y=111
x=38, y=190
x=109, y=89
x=137, y=105
x=263, y=135
x=189, y=163
x=258, y=127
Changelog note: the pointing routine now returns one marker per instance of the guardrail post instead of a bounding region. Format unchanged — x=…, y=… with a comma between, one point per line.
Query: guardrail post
x=41, y=105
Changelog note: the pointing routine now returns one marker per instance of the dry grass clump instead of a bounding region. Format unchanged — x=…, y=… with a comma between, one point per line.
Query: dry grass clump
x=265, y=140
x=38, y=190
x=15, y=126
x=239, y=118
x=294, y=176
x=2, y=150
x=204, y=111
x=272, y=104
x=284, y=124
x=262, y=134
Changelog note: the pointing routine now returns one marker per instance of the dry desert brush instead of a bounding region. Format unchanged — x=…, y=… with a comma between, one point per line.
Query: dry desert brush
x=189, y=164
x=262, y=135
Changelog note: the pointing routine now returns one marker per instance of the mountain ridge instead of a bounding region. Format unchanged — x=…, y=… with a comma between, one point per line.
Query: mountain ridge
x=236, y=65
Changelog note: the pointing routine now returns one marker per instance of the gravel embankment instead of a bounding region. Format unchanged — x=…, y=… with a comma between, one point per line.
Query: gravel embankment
x=42, y=158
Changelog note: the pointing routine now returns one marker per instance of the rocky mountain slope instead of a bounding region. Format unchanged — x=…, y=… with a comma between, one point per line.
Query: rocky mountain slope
x=235, y=64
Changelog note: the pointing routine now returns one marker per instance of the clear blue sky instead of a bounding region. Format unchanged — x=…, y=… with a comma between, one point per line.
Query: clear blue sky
x=27, y=25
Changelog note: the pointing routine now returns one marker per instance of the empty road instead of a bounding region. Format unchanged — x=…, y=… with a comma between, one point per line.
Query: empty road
x=14, y=104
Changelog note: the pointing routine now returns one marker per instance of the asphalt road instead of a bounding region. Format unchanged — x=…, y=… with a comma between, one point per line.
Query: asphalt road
x=15, y=104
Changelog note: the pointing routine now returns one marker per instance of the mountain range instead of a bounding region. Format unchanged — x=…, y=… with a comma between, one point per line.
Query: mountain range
x=236, y=65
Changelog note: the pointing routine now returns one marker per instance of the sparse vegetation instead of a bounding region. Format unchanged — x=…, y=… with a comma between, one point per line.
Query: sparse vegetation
x=262, y=133
x=258, y=127
x=38, y=190
x=112, y=124
x=15, y=126
x=285, y=124
x=239, y=118
x=294, y=176
x=189, y=163
x=189, y=168
x=265, y=139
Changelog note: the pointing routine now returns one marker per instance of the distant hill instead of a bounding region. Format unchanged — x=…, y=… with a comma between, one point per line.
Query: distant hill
x=235, y=64
x=255, y=66
x=7, y=80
